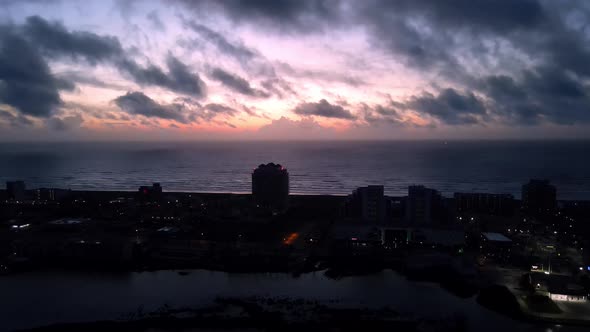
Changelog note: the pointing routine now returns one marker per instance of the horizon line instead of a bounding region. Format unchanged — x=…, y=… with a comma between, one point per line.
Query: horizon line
x=368, y=140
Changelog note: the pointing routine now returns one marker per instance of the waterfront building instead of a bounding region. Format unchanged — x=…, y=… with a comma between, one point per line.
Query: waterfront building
x=150, y=193
x=562, y=288
x=367, y=204
x=539, y=197
x=16, y=190
x=393, y=238
x=360, y=238
x=484, y=203
x=270, y=187
x=495, y=246
x=51, y=194
x=423, y=206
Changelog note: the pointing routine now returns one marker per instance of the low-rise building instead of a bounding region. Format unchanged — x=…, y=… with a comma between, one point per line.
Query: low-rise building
x=558, y=287
x=495, y=246
x=484, y=203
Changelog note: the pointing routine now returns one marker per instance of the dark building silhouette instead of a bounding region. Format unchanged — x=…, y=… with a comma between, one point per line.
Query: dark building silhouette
x=270, y=187
x=368, y=204
x=423, y=206
x=495, y=246
x=51, y=194
x=539, y=197
x=395, y=237
x=16, y=190
x=150, y=193
x=483, y=203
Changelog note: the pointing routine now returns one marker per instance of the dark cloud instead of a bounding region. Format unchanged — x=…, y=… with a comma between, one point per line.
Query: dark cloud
x=82, y=77
x=212, y=111
x=544, y=94
x=122, y=117
x=306, y=128
x=179, y=78
x=228, y=45
x=443, y=38
x=249, y=111
x=554, y=83
x=279, y=87
x=503, y=88
x=236, y=83
x=450, y=107
x=380, y=114
x=287, y=15
x=389, y=114
x=324, y=109
x=565, y=49
x=515, y=62
x=406, y=41
x=233, y=49
x=126, y=8
x=489, y=15
x=65, y=123
x=154, y=18
x=230, y=124
x=15, y=121
x=55, y=40
x=183, y=110
x=323, y=75
x=220, y=108
x=187, y=101
x=446, y=37
x=248, y=58
x=314, y=15
x=26, y=81
x=137, y=103
x=183, y=79
x=483, y=47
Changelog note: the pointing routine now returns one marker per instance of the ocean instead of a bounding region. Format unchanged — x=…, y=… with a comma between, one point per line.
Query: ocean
x=314, y=167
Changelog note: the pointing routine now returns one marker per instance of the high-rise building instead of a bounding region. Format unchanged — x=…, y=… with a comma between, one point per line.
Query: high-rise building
x=423, y=206
x=16, y=190
x=368, y=204
x=51, y=194
x=270, y=187
x=484, y=203
x=539, y=196
x=150, y=194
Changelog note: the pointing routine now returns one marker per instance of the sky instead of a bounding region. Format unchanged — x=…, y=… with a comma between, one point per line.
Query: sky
x=294, y=69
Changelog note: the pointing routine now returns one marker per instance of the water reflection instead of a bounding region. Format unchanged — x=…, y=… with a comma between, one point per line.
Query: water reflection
x=66, y=296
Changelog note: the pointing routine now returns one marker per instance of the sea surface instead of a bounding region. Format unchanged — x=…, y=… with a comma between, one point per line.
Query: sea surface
x=314, y=167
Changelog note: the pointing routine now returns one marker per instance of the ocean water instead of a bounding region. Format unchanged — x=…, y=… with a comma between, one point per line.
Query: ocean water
x=314, y=167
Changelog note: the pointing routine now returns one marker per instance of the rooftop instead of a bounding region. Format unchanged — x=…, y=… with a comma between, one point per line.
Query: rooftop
x=495, y=237
x=66, y=222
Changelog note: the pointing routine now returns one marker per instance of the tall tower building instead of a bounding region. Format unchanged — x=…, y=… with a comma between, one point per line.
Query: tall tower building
x=368, y=204
x=16, y=190
x=539, y=197
x=422, y=206
x=270, y=187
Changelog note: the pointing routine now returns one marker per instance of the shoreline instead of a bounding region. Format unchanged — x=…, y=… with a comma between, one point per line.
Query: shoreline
x=523, y=314
x=129, y=192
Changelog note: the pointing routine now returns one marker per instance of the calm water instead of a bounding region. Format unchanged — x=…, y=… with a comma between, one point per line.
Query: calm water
x=42, y=298
x=314, y=167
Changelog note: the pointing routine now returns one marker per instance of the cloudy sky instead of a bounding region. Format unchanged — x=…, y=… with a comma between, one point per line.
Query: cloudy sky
x=294, y=69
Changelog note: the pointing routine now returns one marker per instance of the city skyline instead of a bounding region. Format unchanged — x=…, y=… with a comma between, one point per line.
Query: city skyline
x=295, y=165
x=261, y=70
